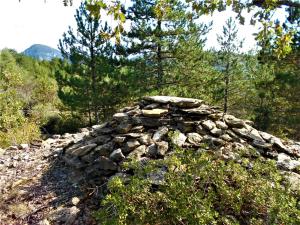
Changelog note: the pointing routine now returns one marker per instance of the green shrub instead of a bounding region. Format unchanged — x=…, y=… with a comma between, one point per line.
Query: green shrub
x=63, y=123
x=200, y=188
x=22, y=134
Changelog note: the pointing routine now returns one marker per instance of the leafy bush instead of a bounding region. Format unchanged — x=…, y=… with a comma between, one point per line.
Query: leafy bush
x=200, y=188
x=21, y=134
x=64, y=123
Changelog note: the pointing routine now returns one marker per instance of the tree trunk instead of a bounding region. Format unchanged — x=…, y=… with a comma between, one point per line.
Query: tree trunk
x=160, y=72
x=94, y=77
x=226, y=88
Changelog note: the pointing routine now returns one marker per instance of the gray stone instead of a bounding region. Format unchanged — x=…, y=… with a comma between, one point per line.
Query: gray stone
x=119, y=139
x=202, y=110
x=267, y=137
x=261, y=144
x=65, y=216
x=249, y=122
x=151, y=150
x=208, y=124
x=117, y=155
x=134, y=112
x=102, y=139
x=137, y=153
x=200, y=130
x=212, y=141
x=221, y=125
x=104, y=163
x=249, y=133
x=99, y=126
x=137, y=129
x=12, y=148
x=162, y=148
x=81, y=151
x=232, y=134
x=120, y=116
x=233, y=121
x=181, y=102
x=226, y=137
x=194, y=138
x=160, y=133
x=56, y=136
x=151, y=122
x=151, y=106
x=178, y=138
x=73, y=161
x=186, y=126
x=130, y=145
x=216, y=116
x=284, y=161
x=133, y=135
x=277, y=142
x=105, y=130
x=294, y=180
x=124, y=127
x=104, y=150
x=154, y=112
x=217, y=132
x=24, y=146
x=254, y=135
x=145, y=139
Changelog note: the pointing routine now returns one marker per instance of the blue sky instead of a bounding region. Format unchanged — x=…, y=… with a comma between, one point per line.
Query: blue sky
x=36, y=22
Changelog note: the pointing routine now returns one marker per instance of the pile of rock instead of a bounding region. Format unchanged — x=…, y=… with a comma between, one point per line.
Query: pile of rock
x=148, y=130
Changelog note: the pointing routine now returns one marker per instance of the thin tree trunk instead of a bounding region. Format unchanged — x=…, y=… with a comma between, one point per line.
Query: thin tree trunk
x=226, y=78
x=160, y=72
x=94, y=78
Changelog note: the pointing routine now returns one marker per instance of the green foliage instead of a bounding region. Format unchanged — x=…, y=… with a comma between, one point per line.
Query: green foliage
x=200, y=188
x=27, y=97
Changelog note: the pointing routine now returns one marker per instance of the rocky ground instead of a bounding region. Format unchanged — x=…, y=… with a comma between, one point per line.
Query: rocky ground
x=60, y=180
x=36, y=187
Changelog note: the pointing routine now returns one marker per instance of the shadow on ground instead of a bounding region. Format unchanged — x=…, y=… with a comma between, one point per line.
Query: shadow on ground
x=51, y=193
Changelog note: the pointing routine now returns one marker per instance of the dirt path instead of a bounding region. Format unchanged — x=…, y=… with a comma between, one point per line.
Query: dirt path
x=36, y=187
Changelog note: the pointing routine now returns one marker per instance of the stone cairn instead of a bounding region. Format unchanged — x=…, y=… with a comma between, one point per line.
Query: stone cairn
x=143, y=132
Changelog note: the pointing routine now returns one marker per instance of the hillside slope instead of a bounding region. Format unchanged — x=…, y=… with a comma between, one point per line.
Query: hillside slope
x=42, y=52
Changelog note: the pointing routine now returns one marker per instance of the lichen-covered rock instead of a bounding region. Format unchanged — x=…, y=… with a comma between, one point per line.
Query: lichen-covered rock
x=286, y=162
x=221, y=125
x=208, y=124
x=160, y=133
x=233, y=122
x=194, y=138
x=177, y=138
x=138, y=152
x=145, y=139
x=162, y=148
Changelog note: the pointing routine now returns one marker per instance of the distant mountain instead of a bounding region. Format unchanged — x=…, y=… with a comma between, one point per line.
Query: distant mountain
x=42, y=52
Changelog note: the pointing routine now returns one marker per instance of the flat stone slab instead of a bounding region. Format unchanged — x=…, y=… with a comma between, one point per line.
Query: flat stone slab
x=154, y=112
x=181, y=102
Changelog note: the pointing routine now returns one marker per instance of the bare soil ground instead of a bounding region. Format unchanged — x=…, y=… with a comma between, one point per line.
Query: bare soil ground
x=36, y=187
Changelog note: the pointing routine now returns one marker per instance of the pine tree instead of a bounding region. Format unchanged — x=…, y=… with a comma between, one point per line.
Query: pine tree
x=228, y=57
x=155, y=32
x=87, y=50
